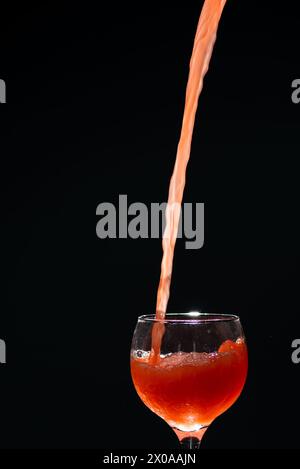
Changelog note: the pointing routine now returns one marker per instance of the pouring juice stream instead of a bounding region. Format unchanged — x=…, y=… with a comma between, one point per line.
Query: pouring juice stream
x=201, y=55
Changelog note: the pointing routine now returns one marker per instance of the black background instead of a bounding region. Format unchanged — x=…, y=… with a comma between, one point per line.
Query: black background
x=95, y=97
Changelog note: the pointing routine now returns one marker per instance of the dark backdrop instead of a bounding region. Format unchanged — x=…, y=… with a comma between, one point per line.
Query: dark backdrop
x=95, y=101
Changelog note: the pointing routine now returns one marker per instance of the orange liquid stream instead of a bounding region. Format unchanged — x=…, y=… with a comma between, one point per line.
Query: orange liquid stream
x=202, y=51
x=189, y=390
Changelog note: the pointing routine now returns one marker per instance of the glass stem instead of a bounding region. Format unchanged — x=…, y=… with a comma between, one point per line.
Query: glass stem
x=190, y=440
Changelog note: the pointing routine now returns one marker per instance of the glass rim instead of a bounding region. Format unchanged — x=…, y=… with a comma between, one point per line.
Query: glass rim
x=190, y=318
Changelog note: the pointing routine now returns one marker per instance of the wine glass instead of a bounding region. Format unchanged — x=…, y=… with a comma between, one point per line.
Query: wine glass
x=197, y=373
